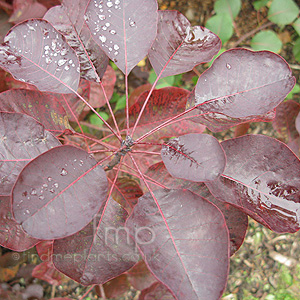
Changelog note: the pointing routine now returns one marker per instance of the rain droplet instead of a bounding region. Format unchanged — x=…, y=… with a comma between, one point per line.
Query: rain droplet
x=228, y=66
x=48, y=60
x=67, y=68
x=63, y=172
x=116, y=47
x=132, y=23
x=112, y=31
x=81, y=163
x=51, y=190
x=49, y=179
x=24, y=194
x=61, y=62
x=117, y=2
x=102, y=38
x=55, y=185
x=41, y=197
x=27, y=211
x=33, y=192
x=102, y=17
x=107, y=24
x=109, y=4
x=45, y=185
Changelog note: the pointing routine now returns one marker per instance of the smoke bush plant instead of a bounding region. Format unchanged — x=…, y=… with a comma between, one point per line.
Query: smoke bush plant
x=194, y=193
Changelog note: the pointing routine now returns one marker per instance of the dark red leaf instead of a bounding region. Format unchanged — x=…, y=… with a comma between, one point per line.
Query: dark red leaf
x=140, y=277
x=69, y=20
x=236, y=220
x=195, y=157
x=54, y=189
x=46, y=271
x=51, y=64
x=163, y=104
x=101, y=251
x=262, y=179
x=45, y=250
x=28, y=9
x=184, y=242
x=44, y=107
x=126, y=192
x=124, y=30
x=242, y=83
x=12, y=235
x=219, y=122
x=185, y=46
x=116, y=287
x=21, y=139
x=156, y=292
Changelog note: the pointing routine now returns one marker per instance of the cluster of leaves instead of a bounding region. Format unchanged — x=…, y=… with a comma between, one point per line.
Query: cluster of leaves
x=156, y=196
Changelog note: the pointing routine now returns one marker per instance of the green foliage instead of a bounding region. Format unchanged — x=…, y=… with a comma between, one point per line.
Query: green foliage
x=229, y=7
x=296, y=26
x=283, y=12
x=296, y=49
x=174, y=80
x=95, y=120
x=295, y=90
x=219, y=53
x=121, y=103
x=259, y=4
x=266, y=40
x=221, y=25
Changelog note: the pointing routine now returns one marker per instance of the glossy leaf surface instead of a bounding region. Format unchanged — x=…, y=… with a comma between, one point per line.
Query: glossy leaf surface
x=21, y=139
x=236, y=220
x=195, y=157
x=54, y=189
x=101, y=251
x=261, y=180
x=12, y=235
x=51, y=64
x=185, y=245
x=218, y=122
x=241, y=83
x=179, y=46
x=69, y=20
x=124, y=29
x=44, y=107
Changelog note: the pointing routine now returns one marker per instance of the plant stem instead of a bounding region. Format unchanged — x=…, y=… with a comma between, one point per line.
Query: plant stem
x=87, y=292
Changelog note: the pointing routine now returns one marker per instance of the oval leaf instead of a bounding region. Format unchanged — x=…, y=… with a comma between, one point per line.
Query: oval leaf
x=283, y=12
x=22, y=139
x=229, y=7
x=51, y=64
x=179, y=46
x=185, y=247
x=242, y=83
x=195, y=157
x=262, y=179
x=12, y=235
x=266, y=40
x=236, y=220
x=101, y=251
x=54, y=189
x=44, y=107
x=69, y=20
x=124, y=29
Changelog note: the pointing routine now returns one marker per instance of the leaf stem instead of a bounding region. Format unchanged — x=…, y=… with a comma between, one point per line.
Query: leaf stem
x=87, y=292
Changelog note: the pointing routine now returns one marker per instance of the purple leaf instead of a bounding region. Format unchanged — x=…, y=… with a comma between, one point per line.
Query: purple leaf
x=242, y=83
x=12, y=235
x=101, y=251
x=54, y=189
x=262, y=179
x=49, y=111
x=36, y=53
x=185, y=46
x=69, y=20
x=195, y=157
x=21, y=139
x=156, y=291
x=184, y=242
x=218, y=122
x=236, y=220
x=124, y=29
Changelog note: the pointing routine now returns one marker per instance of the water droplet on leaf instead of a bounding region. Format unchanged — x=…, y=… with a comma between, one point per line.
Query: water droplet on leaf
x=228, y=66
x=63, y=172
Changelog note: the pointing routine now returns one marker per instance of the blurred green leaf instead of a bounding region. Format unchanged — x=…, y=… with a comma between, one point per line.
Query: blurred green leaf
x=164, y=82
x=219, y=53
x=283, y=12
x=266, y=40
x=296, y=50
x=296, y=26
x=230, y=7
x=95, y=120
x=221, y=25
x=259, y=4
x=121, y=103
x=295, y=90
